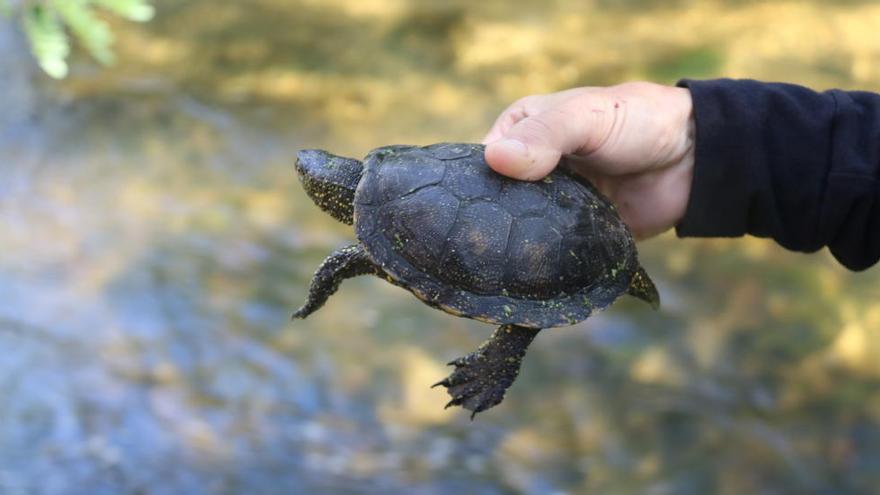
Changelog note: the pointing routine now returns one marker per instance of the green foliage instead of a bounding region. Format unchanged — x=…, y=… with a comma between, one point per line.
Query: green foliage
x=47, y=22
x=48, y=40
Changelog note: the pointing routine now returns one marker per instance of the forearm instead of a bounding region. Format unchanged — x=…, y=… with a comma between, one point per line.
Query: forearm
x=782, y=161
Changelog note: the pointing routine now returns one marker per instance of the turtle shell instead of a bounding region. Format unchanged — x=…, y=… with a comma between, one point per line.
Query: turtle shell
x=474, y=243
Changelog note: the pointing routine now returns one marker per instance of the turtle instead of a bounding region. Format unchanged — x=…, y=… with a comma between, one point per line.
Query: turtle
x=437, y=221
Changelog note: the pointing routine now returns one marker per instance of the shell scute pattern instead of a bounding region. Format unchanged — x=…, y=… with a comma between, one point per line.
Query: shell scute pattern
x=451, y=151
x=536, y=250
x=420, y=241
x=473, y=180
x=476, y=244
x=396, y=174
x=522, y=198
x=476, y=249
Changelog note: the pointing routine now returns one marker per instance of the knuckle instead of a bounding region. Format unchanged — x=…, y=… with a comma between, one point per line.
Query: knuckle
x=531, y=104
x=511, y=116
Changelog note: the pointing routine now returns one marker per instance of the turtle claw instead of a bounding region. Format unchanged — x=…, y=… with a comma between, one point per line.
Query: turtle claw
x=482, y=377
x=456, y=362
x=479, y=381
x=474, y=386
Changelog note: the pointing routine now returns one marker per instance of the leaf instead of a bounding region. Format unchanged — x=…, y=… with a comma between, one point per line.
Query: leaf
x=91, y=31
x=45, y=24
x=48, y=40
x=133, y=10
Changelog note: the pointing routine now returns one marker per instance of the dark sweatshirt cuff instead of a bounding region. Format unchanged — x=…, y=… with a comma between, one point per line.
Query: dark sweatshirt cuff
x=783, y=161
x=761, y=161
x=718, y=199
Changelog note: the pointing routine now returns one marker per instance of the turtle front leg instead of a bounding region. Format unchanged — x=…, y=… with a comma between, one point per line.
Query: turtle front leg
x=347, y=262
x=481, y=378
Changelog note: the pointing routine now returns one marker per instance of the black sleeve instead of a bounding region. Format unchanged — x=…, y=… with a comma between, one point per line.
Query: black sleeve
x=783, y=161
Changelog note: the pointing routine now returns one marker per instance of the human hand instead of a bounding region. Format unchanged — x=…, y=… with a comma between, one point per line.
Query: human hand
x=634, y=142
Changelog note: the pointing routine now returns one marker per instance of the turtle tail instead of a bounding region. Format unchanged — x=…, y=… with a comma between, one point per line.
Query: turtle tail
x=643, y=287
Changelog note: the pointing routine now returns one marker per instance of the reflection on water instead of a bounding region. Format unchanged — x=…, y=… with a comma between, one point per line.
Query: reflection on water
x=155, y=241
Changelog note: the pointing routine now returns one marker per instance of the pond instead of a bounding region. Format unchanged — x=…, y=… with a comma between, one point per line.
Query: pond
x=155, y=240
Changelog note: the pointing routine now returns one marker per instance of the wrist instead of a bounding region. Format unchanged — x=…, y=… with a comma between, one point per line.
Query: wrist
x=684, y=164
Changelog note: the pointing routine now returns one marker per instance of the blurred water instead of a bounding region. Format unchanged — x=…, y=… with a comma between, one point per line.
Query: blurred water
x=154, y=241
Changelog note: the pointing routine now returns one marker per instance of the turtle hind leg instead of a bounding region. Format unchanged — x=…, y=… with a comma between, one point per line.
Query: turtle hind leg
x=643, y=287
x=344, y=263
x=481, y=378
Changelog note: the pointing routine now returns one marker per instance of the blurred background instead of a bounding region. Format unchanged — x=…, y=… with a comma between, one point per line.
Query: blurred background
x=155, y=241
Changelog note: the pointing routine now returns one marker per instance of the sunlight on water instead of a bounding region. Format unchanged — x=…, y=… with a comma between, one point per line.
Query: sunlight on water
x=155, y=240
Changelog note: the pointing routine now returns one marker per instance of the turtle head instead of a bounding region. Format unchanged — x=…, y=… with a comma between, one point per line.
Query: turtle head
x=330, y=181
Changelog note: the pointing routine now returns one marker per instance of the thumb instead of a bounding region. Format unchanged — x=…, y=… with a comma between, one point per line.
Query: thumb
x=532, y=147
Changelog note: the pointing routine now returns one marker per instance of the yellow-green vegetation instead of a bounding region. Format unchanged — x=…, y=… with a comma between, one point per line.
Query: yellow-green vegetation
x=47, y=23
x=155, y=240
